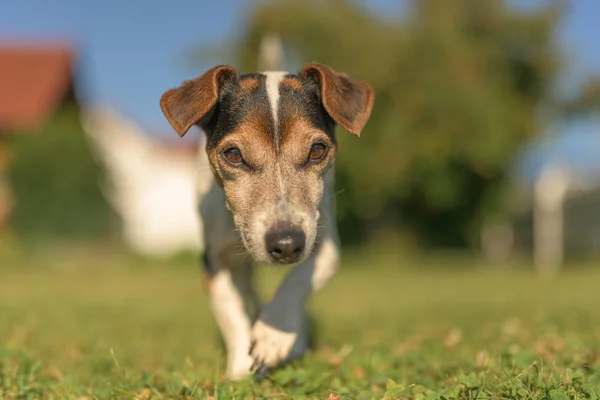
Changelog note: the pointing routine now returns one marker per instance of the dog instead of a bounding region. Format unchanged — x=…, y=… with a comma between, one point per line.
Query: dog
x=271, y=145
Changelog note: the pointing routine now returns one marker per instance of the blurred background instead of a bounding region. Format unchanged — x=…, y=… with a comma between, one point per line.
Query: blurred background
x=480, y=166
x=484, y=139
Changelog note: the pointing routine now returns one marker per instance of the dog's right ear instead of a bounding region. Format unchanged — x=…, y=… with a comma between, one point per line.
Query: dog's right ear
x=194, y=99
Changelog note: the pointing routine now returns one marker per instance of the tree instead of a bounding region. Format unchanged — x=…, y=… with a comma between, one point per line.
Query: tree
x=458, y=88
x=56, y=182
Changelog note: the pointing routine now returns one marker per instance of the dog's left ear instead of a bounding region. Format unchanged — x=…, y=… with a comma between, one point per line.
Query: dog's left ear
x=349, y=103
x=195, y=99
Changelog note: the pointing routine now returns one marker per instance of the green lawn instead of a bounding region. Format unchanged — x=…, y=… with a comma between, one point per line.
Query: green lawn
x=93, y=325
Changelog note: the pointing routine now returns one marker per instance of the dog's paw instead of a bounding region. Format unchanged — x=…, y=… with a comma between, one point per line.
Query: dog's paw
x=239, y=366
x=269, y=346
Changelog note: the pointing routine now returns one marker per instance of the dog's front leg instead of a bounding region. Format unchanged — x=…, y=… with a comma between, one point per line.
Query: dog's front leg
x=228, y=282
x=232, y=299
x=280, y=331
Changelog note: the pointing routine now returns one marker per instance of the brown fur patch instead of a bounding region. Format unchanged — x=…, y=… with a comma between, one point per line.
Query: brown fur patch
x=189, y=103
x=292, y=82
x=250, y=83
x=254, y=139
x=349, y=103
x=298, y=135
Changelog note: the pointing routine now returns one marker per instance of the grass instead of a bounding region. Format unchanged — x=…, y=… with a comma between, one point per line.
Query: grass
x=102, y=326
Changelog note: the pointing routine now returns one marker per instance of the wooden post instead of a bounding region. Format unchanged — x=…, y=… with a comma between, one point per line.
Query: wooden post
x=270, y=53
x=548, y=237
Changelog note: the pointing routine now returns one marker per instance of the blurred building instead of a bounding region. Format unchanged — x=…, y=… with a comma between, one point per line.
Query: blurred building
x=151, y=185
x=35, y=80
x=578, y=202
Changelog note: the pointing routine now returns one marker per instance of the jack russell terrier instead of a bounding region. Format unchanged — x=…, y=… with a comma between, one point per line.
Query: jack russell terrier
x=270, y=143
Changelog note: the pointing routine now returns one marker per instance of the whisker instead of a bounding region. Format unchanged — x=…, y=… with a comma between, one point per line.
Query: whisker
x=337, y=193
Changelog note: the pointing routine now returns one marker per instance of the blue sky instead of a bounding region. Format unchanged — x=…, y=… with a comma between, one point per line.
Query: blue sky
x=133, y=50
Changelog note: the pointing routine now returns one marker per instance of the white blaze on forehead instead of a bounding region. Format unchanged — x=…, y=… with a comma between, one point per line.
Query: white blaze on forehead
x=274, y=78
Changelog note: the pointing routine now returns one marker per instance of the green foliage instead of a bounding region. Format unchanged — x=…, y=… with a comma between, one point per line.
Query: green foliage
x=458, y=86
x=55, y=180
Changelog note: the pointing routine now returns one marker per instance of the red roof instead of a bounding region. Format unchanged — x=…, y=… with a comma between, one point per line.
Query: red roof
x=33, y=81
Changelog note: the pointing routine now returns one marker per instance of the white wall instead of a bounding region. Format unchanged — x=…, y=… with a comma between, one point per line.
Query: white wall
x=151, y=186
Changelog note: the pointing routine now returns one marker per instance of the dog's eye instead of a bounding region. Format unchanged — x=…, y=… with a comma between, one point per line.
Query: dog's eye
x=234, y=156
x=317, y=152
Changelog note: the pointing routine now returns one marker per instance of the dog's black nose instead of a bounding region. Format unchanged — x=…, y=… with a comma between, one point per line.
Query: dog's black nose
x=285, y=245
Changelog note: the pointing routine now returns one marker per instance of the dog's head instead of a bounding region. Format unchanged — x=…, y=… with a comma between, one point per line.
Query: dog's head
x=270, y=141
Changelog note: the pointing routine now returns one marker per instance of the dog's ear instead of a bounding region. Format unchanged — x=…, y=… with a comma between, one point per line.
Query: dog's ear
x=194, y=99
x=349, y=103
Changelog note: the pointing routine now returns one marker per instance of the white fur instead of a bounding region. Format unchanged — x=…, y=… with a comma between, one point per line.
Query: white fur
x=272, y=345
x=229, y=289
x=268, y=218
x=327, y=262
x=280, y=331
x=274, y=79
x=228, y=308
